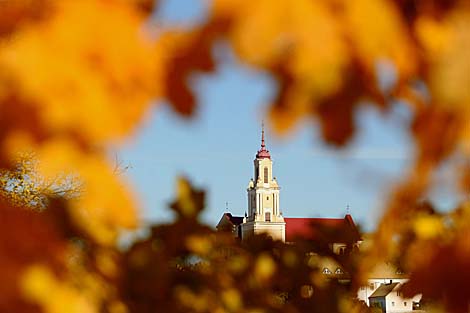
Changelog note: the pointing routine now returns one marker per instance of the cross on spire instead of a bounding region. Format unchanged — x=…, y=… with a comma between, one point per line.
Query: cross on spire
x=262, y=135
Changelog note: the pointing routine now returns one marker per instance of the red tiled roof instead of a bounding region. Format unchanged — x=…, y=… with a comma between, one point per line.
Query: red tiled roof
x=322, y=229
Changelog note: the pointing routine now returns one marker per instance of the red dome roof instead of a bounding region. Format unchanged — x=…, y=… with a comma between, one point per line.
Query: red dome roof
x=262, y=154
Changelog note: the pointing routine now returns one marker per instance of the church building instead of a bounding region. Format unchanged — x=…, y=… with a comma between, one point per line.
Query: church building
x=339, y=235
x=264, y=214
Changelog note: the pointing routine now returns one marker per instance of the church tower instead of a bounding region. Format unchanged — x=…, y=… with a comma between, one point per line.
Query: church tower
x=264, y=214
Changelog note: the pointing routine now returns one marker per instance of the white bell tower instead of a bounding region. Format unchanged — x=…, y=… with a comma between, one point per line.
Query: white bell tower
x=264, y=213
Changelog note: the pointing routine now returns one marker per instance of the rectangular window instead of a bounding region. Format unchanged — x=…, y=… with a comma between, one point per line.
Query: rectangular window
x=266, y=175
x=268, y=217
x=404, y=303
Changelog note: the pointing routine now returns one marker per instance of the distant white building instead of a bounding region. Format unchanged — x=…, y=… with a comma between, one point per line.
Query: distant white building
x=383, y=290
x=389, y=299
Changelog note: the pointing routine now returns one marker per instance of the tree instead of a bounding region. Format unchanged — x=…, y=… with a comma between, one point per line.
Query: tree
x=70, y=88
x=23, y=186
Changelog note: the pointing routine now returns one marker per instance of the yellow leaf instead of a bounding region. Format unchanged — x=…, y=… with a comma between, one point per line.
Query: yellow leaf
x=39, y=285
x=428, y=227
x=232, y=299
x=94, y=77
x=377, y=32
x=264, y=267
x=106, y=205
x=446, y=45
x=199, y=244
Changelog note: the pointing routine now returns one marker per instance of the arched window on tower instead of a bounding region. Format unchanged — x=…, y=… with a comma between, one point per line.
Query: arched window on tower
x=265, y=175
x=267, y=217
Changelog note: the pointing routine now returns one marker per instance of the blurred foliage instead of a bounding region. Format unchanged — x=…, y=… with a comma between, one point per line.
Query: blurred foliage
x=79, y=76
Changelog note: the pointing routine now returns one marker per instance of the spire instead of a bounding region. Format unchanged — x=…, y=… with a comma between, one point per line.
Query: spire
x=262, y=136
x=263, y=153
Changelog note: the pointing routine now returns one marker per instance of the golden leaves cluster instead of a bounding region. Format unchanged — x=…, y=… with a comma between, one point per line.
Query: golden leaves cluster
x=74, y=81
x=77, y=77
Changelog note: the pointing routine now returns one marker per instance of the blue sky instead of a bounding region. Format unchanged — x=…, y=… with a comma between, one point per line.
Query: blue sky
x=315, y=180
